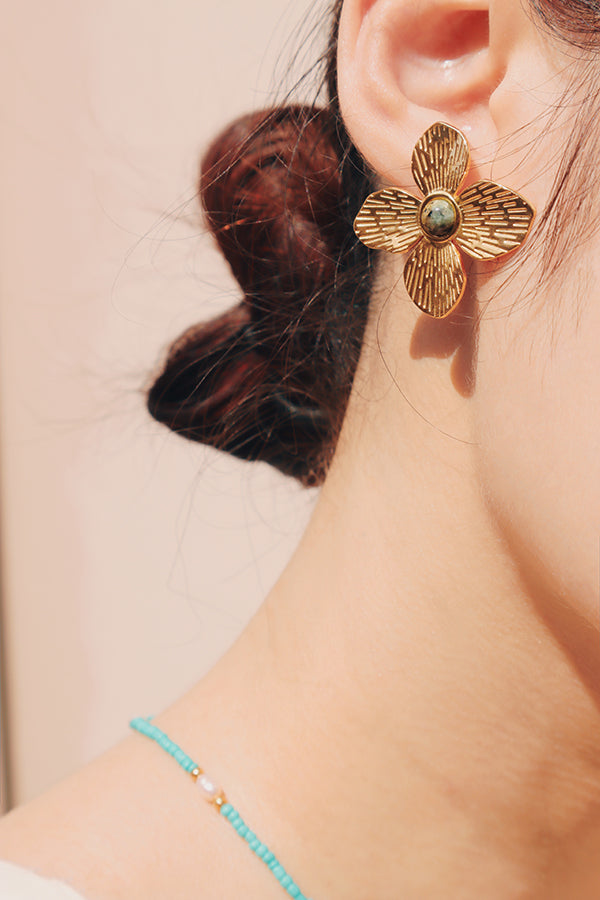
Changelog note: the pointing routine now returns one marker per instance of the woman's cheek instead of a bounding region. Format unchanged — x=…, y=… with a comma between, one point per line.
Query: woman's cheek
x=538, y=405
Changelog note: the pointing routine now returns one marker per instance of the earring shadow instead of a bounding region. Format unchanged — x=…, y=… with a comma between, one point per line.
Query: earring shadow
x=454, y=334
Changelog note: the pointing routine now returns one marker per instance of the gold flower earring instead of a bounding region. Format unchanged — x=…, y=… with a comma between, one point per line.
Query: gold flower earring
x=486, y=220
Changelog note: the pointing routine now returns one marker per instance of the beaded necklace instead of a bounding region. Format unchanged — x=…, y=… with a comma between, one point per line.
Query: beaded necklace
x=216, y=797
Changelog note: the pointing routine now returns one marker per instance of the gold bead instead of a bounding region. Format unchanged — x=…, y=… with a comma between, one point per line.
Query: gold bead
x=219, y=800
x=196, y=772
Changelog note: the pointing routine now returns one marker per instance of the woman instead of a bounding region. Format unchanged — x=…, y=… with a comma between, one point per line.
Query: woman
x=414, y=710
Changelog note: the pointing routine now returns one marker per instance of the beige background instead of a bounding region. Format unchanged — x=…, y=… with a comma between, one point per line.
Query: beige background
x=130, y=558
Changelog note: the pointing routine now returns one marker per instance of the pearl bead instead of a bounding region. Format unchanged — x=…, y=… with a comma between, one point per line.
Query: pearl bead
x=207, y=787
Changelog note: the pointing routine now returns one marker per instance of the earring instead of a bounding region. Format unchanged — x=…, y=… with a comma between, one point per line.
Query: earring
x=486, y=220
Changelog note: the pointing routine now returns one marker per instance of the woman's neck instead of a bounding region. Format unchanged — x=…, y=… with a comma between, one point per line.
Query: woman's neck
x=397, y=710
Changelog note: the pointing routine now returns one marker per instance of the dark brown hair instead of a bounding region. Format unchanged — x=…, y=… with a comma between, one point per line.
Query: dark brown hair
x=271, y=378
x=575, y=21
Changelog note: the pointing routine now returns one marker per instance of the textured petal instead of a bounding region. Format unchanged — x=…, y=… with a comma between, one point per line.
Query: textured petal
x=440, y=159
x=387, y=220
x=434, y=277
x=495, y=220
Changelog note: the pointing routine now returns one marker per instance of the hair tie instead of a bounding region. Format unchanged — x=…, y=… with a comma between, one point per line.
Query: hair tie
x=300, y=413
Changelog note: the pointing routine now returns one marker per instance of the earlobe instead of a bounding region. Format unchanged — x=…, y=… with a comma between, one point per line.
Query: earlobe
x=404, y=64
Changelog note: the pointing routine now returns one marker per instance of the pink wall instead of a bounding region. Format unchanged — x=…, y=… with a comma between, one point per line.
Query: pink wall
x=130, y=559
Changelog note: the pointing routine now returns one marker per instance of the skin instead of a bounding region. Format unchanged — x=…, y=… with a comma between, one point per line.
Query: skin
x=414, y=710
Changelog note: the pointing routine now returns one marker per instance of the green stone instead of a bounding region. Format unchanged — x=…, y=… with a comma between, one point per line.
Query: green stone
x=439, y=218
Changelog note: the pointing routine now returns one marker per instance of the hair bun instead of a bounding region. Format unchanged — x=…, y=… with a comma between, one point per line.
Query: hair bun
x=269, y=379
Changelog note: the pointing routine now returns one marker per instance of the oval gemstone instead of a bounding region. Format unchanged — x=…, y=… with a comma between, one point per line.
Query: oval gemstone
x=439, y=218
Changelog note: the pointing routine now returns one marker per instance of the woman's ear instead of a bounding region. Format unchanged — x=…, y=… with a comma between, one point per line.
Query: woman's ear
x=404, y=64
